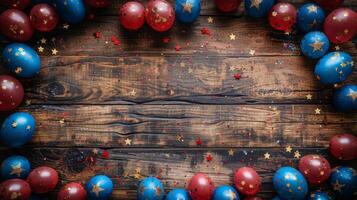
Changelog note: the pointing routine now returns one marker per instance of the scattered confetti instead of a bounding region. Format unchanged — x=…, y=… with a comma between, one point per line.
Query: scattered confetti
x=54, y=51
x=127, y=141
x=232, y=36
x=288, y=149
x=237, y=76
x=166, y=40
x=297, y=154
x=266, y=155
x=309, y=97
x=177, y=47
x=199, y=141
x=317, y=111
x=209, y=158
x=105, y=154
x=40, y=49
x=97, y=34
x=43, y=40
x=65, y=26
x=205, y=31
x=231, y=152
x=252, y=52
x=210, y=20
x=115, y=40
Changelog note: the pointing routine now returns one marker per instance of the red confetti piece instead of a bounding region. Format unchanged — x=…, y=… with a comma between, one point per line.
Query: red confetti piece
x=237, y=76
x=209, y=158
x=105, y=154
x=115, y=40
x=97, y=34
x=199, y=141
x=205, y=31
x=166, y=40
x=177, y=47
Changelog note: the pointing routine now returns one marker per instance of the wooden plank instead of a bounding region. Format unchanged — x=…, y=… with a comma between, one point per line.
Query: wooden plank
x=182, y=125
x=174, y=167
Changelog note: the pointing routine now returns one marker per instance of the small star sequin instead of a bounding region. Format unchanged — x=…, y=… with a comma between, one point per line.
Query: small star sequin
x=97, y=189
x=317, y=45
x=288, y=149
x=209, y=157
x=40, y=49
x=312, y=8
x=43, y=40
x=232, y=36
x=231, y=152
x=187, y=7
x=16, y=169
x=65, y=26
x=127, y=141
x=179, y=138
x=54, y=51
x=317, y=111
x=297, y=154
x=266, y=155
x=210, y=20
x=252, y=52
x=352, y=94
x=14, y=124
x=255, y=3
x=308, y=96
x=337, y=186
x=132, y=93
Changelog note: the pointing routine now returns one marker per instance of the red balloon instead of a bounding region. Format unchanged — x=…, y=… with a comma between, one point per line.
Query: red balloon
x=247, y=181
x=200, y=187
x=15, y=25
x=282, y=16
x=160, y=15
x=43, y=17
x=132, y=15
x=329, y=4
x=227, y=5
x=43, y=179
x=315, y=168
x=340, y=25
x=17, y=4
x=253, y=198
x=15, y=189
x=72, y=191
x=344, y=146
x=98, y=3
x=11, y=93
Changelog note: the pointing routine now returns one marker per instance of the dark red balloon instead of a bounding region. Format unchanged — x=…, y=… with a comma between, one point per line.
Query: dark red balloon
x=282, y=16
x=15, y=189
x=98, y=3
x=344, y=146
x=253, y=198
x=200, y=187
x=160, y=15
x=132, y=15
x=17, y=4
x=329, y=4
x=43, y=179
x=15, y=25
x=247, y=181
x=43, y=17
x=72, y=191
x=227, y=5
x=315, y=168
x=11, y=93
x=340, y=25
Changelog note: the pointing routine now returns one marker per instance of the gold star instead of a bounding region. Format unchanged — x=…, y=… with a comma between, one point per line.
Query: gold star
x=43, y=41
x=65, y=26
x=317, y=45
x=312, y=8
x=232, y=36
x=137, y=176
x=317, y=111
x=313, y=24
x=95, y=151
x=255, y=3
x=231, y=152
x=28, y=102
x=267, y=155
x=252, y=52
x=40, y=49
x=14, y=124
x=343, y=64
x=231, y=195
x=187, y=7
x=210, y=20
x=337, y=48
x=127, y=141
x=297, y=154
x=97, y=189
x=54, y=51
x=18, y=70
x=353, y=95
x=15, y=195
x=337, y=186
x=179, y=138
x=274, y=13
x=308, y=96
x=21, y=49
x=28, y=127
x=61, y=121
x=288, y=149
x=16, y=169
x=132, y=93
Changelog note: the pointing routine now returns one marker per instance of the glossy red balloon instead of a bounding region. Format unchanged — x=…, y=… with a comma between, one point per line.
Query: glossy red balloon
x=15, y=25
x=43, y=179
x=72, y=191
x=227, y=5
x=200, y=187
x=247, y=181
x=160, y=15
x=315, y=168
x=329, y=4
x=132, y=15
x=340, y=25
x=15, y=189
x=11, y=93
x=282, y=16
x=344, y=146
x=43, y=17
x=17, y=4
x=98, y=3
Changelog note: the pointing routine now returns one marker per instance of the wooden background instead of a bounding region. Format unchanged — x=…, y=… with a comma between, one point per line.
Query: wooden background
x=92, y=96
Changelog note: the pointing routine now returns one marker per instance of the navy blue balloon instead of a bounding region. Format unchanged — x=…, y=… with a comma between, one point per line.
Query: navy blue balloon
x=258, y=8
x=17, y=129
x=276, y=198
x=15, y=167
x=343, y=181
x=150, y=188
x=72, y=11
x=310, y=17
x=99, y=187
x=334, y=67
x=314, y=45
x=345, y=98
x=21, y=59
x=225, y=192
x=289, y=183
x=178, y=194
x=187, y=11
x=319, y=196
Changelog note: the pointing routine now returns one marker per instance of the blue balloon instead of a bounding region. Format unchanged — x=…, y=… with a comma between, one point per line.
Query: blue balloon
x=276, y=198
x=72, y=11
x=334, y=67
x=187, y=11
x=289, y=183
x=310, y=17
x=258, y=8
x=225, y=192
x=15, y=167
x=21, y=59
x=17, y=129
x=345, y=98
x=315, y=45
x=343, y=181
x=178, y=194
x=99, y=187
x=150, y=188
x=319, y=196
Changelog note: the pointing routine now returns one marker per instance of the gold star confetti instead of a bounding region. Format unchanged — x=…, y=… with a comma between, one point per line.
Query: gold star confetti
x=297, y=154
x=97, y=189
x=187, y=7
x=14, y=124
x=40, y=49
x=16, y=169
x=95, y=151
x=288, y=149
x=28, y=102
x=274, y=13
x=317, y=45
x=352, y=94
x=210, y=20
x=137, y=176
x=266, y=155
x=43, y=40
x=61, y=121
x=232, y=36
x=18, y=70
x=255, y=3
x=317, y=111
x=337, y=48
x=127, y=141
x=252, y=52
x=132, y=93
x=65, y=26
x=179, y=138
x=337, y=186
x=54, y=51
x=231, y=152
x=308, y=96
x=312, y=8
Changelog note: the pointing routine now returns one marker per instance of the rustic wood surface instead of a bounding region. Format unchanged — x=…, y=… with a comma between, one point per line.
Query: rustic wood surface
x=93, y=97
